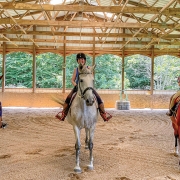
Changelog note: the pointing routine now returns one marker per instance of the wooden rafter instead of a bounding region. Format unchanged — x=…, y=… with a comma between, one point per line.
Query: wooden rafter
x=85, y=8
x=153, y=18
x=84, y=24
x=144, y=23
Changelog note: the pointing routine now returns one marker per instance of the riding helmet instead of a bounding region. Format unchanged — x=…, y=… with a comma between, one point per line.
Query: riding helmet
x=80, y=55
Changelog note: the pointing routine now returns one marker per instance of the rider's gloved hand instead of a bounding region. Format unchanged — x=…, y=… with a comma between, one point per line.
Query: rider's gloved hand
x=76, y=88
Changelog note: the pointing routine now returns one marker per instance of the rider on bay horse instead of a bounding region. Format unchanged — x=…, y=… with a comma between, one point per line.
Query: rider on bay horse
x=81, y=59
x=174, y=99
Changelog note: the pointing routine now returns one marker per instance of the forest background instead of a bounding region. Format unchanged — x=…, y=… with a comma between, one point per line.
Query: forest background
x=49, y=71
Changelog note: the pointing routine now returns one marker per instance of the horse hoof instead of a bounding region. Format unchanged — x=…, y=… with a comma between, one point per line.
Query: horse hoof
x=90, y=167
x=176, y=152
x=77, y=170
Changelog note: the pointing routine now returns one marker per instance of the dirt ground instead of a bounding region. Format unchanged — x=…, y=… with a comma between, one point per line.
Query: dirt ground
x=134, y=145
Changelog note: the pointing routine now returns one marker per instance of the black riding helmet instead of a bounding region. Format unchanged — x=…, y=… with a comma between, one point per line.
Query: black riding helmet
x=80, y=55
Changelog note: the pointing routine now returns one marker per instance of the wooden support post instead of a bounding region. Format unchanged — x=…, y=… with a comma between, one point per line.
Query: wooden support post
x=34, y=68
x=64, y=66
x=4, y=66
x=93, y=62
x=34, y=64
x=122, y=80
x=122, y=76
x=152, y=71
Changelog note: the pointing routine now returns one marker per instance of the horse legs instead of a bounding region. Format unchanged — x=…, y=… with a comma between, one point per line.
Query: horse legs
x=87, y=139
x=176, y=133
x=90, y=146
x=77, y=168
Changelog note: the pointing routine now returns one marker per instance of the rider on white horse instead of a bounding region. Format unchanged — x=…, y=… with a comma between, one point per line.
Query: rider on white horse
x=81, y=59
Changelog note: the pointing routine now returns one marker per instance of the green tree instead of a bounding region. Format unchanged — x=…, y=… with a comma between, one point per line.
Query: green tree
x=138, y=71
x=19, y=70
x=166, y=71
x=108, y=72
x=49, y=70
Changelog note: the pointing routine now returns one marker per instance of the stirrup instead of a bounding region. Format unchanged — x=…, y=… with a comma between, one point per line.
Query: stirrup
x=106, y=116
x=61, y=116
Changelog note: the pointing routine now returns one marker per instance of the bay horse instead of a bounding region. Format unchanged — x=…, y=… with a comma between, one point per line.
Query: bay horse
x=175, y=118
x=83, y=113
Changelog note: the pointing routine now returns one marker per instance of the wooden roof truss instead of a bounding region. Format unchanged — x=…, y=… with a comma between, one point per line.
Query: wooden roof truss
x=91, y=26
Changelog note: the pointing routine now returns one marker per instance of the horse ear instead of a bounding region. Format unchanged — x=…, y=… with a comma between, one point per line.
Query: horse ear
x=93, y=67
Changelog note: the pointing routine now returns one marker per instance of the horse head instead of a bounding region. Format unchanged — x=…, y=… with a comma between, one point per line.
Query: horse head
x=86, y=84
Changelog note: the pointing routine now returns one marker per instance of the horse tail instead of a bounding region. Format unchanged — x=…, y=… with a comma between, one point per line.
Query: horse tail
x=58, y=100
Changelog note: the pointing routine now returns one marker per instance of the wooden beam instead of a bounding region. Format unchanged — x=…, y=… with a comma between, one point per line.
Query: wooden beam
x=84, y=24
x=86, y=8
x=51, y=41
x=88, y=34
x=29, y=48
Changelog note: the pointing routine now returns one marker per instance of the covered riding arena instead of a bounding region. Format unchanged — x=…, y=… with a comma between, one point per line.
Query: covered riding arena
x=136, y=144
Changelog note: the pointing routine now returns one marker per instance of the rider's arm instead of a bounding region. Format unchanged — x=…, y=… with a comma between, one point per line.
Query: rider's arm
x=73, y=78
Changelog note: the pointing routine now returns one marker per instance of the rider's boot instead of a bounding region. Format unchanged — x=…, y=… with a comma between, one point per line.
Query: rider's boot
x=62, y=115
x=3, y=125
x=171, y=111
x=106, y=116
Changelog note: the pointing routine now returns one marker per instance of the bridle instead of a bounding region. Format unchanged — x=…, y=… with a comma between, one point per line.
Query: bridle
x=85, y=90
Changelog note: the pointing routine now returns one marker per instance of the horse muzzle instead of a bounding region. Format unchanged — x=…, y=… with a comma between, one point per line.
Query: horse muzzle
x=89, y=102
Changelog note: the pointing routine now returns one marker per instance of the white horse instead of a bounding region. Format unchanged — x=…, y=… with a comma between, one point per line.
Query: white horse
x=83, y=113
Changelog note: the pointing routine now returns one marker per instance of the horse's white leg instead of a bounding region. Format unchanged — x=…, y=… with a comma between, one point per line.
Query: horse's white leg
x=77, y=168
x=90, y=145
x=87, y=139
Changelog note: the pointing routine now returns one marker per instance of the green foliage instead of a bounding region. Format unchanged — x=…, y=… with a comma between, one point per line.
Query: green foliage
x=49, y=71
x=138, y=71
x=108, y=72
x=166, y=71
x=19, y=70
